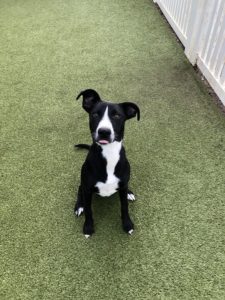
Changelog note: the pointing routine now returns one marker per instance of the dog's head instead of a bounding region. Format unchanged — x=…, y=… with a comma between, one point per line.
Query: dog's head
x=106, y=120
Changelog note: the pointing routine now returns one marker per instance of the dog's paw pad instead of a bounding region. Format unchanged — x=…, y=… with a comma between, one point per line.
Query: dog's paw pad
x=130, y=196
x=87, y=236
x=79, y=211
x=131, y=231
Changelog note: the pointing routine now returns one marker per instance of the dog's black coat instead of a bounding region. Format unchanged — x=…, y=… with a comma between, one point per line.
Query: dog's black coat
x=94, y=169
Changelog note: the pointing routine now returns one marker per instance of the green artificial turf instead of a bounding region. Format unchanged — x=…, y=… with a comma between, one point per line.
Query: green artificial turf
x=49, y=51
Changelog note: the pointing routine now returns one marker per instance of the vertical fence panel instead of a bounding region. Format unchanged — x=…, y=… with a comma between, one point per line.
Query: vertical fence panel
x=220, y=62
x=187, y=16
x=223, y=76
x=210, y=29
x=180, y=11
x=214, y=36
x=217, y=42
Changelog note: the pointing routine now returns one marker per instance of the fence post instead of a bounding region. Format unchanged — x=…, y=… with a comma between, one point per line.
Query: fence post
x=194, y=29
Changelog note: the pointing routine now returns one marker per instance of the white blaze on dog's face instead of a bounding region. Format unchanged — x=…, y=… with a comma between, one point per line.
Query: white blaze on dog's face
x=105, y=133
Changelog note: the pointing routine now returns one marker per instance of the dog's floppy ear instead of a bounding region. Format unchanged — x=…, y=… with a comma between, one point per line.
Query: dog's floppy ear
x=131, y=110
x=90, y=98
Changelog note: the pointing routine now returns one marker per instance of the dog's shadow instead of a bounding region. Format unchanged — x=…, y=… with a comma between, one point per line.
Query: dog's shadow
x=106, y=212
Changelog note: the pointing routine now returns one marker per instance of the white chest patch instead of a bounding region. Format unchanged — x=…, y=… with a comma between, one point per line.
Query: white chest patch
x=111, y=152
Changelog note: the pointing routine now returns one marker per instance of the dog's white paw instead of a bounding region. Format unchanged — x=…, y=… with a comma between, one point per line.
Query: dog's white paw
x=131, y=231
x=79, y=211
x=130, y=197
x=87, y=236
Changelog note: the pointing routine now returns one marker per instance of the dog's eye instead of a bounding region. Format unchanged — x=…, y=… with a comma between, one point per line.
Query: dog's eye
x=95, y=115
x=116, y=116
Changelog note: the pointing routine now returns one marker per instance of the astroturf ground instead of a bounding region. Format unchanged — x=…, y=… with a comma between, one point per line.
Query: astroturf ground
x=49, y=51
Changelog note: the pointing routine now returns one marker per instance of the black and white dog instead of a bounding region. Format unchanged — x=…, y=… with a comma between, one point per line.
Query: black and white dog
x=106, y=169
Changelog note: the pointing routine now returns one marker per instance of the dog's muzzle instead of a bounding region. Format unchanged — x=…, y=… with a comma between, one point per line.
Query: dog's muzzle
x=104, y=136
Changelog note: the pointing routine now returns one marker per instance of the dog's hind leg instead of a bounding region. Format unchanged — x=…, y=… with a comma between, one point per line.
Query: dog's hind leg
x=79, y=205
x=130, y=195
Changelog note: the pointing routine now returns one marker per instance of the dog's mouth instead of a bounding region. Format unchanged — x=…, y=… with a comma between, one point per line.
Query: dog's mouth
x=103, y=142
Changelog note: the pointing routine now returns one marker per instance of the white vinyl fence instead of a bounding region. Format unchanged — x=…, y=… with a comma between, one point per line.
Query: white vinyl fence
x=200, y=25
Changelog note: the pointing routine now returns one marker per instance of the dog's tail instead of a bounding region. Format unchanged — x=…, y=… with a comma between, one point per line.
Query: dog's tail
x=83, y=146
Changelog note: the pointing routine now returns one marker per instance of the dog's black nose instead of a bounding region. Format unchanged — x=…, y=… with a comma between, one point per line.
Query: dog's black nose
x=104, y=132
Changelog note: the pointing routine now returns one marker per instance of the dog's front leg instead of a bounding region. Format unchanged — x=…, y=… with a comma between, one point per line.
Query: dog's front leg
x=128, y=225
x=88, y=228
